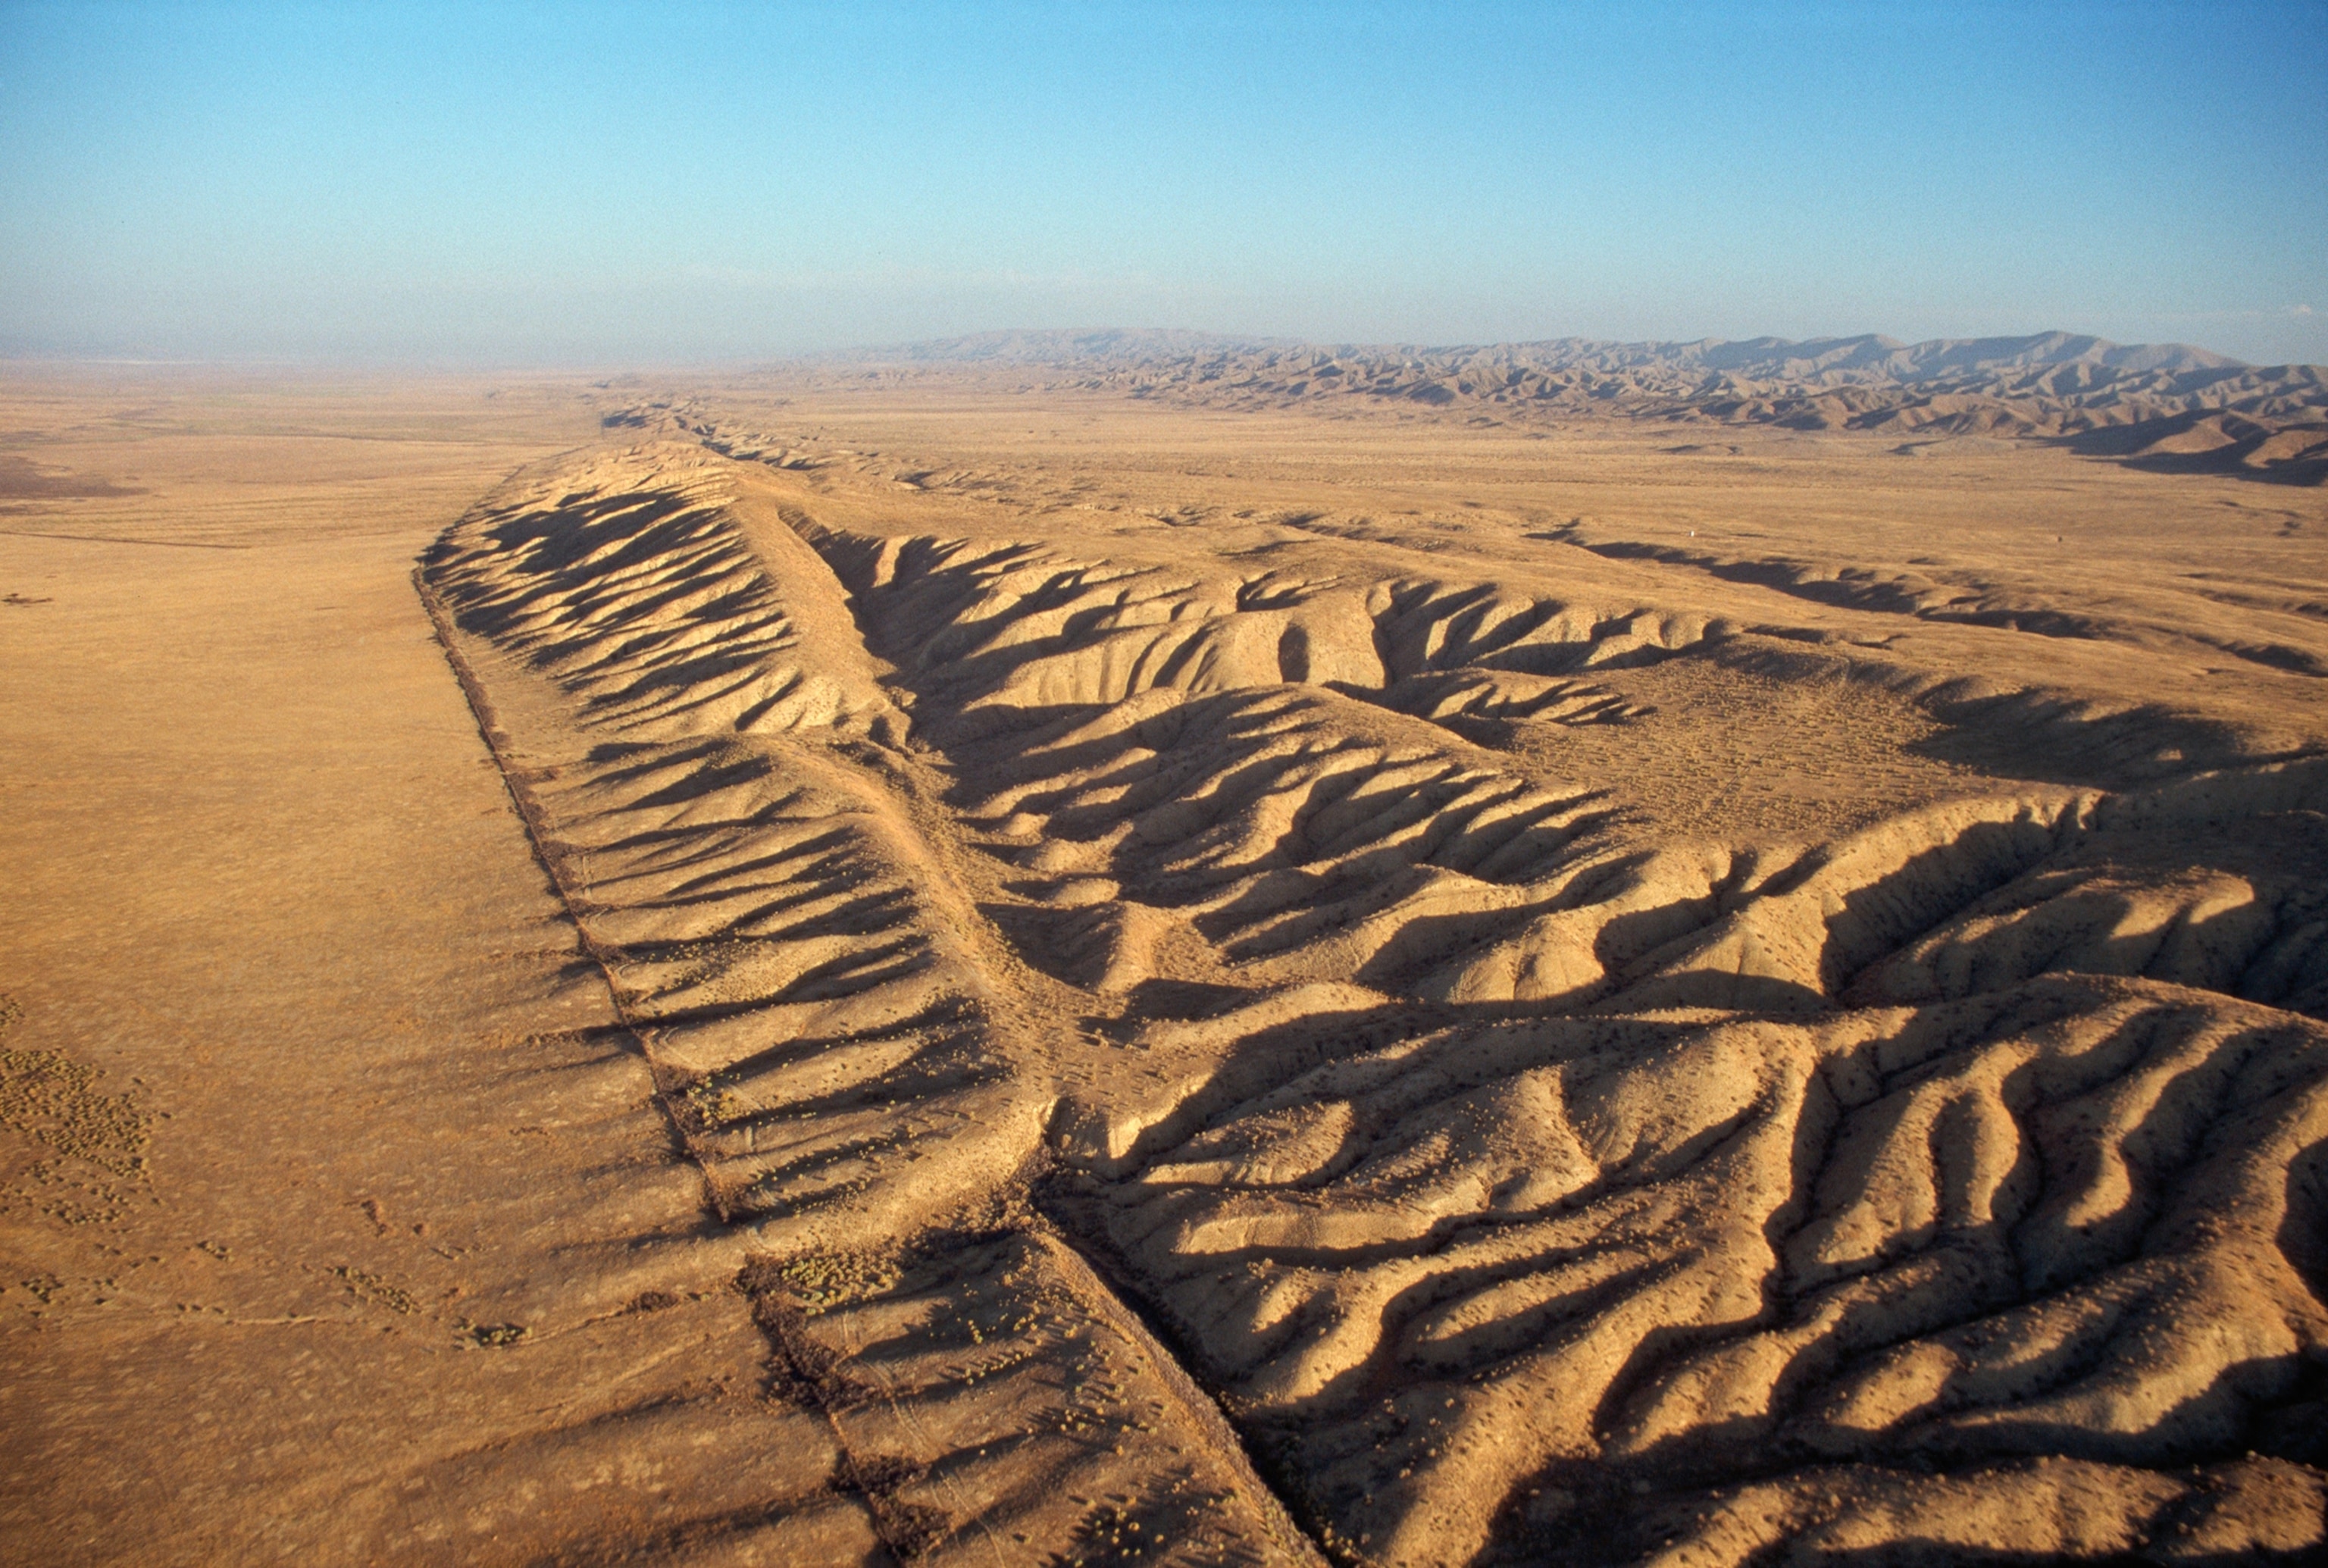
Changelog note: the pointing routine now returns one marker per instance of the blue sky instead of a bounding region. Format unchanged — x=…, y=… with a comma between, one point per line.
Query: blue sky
x=608, y=185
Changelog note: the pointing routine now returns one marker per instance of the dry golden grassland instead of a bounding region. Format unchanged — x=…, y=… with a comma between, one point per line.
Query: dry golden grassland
x=901, y=968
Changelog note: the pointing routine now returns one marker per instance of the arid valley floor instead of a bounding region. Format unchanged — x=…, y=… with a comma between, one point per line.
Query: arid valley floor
x=957, y=966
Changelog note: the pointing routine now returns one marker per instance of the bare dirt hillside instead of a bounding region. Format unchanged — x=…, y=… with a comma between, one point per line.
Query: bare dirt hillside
x=1057, y=975
x=1591, y=1039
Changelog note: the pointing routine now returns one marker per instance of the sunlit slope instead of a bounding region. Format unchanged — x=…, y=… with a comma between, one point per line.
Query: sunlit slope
x=1260, y=948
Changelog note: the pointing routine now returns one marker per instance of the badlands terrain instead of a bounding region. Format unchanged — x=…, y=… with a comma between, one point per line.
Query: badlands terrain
x=1094, y=949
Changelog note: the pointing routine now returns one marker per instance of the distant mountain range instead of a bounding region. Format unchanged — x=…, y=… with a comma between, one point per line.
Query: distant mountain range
x=2157, y=405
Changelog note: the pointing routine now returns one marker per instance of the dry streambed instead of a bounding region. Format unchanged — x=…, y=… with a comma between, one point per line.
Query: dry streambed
x=1186, y=1078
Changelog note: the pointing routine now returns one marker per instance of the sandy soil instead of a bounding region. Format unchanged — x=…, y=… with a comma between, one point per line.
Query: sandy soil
x=328, y=1179
x=940, y=974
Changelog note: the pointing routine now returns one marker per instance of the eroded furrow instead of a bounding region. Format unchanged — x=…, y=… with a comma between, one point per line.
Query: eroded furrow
x=1472, y=1280
x=1528, y=1184
x=809, y=986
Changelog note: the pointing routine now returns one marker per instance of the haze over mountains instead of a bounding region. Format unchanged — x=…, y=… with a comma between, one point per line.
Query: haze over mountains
x=1364, y=898
x=2168, y=406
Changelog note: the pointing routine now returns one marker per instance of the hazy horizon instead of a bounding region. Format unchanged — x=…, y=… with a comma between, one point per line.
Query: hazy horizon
x=327, y=364
x=580, y=186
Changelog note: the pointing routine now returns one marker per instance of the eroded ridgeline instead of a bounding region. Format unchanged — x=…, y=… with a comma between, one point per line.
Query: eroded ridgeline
x=1524, y=1187
x=682, y=704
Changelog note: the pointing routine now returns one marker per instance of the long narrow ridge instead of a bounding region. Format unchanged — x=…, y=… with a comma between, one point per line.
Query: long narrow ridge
x=1530, y=1190
x=902, y=1308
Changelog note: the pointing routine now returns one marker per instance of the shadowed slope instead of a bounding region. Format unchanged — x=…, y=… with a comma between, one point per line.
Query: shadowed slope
x=811, y=990
x=1529, y=1183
